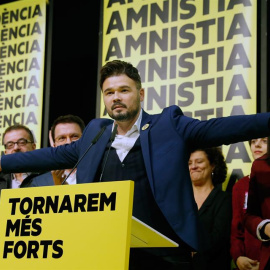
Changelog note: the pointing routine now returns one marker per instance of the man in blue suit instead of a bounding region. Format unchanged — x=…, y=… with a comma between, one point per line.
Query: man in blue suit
x=152, y=150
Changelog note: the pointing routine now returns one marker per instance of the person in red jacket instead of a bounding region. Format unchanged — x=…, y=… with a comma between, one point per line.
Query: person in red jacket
x=257, y=217
x=245, y=248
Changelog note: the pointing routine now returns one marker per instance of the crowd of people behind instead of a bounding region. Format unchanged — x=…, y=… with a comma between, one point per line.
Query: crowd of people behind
x=236, y=225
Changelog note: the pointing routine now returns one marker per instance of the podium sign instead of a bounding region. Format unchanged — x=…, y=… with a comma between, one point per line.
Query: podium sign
x=84, y=226
x=143, y=236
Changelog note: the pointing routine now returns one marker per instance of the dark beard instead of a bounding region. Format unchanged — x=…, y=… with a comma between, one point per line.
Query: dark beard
x=129, y=115
x=121, y=117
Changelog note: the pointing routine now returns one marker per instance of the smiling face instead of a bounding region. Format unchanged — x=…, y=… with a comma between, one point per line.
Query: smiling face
x=122, y=98
x=258, y=147
x=200, y=168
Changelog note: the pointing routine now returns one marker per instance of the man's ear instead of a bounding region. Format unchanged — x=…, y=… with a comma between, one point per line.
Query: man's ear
x=51, y=139
x=141, y=93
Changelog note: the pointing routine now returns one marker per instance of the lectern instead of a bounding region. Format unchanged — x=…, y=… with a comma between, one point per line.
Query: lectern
x=84, y=226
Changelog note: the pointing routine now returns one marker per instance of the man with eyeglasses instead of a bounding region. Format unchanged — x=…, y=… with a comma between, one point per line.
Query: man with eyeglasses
x=65, y=129
x=16, y=138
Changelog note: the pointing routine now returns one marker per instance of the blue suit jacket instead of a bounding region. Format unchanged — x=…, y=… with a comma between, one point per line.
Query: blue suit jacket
x=44, y=179
x=166, y=145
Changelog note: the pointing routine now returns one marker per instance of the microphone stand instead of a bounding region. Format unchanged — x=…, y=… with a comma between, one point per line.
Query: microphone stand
x=89, y=147
x=111, y=141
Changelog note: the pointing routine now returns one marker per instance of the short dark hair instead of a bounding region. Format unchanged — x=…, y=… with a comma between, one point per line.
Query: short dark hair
x=19, y=127
x=216, y=158
x=64, y=119
x=118, y=67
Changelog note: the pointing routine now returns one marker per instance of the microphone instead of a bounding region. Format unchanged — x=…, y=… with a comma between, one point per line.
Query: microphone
x=89, y=147
x=113, y=135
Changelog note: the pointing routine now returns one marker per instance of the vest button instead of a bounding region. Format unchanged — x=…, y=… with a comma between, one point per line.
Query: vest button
x=123, y=165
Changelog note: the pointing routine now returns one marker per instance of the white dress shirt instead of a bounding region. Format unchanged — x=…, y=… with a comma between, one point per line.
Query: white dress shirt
x=15, y=183
x=71, y=180
x=123, y=143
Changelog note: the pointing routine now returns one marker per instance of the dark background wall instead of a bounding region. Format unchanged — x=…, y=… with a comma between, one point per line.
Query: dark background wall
x=74, y=60
x=74, y=57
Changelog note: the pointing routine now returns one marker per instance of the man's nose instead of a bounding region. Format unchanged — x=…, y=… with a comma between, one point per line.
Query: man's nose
x=258, y=143
x=16, y=146
x=116, y=96
x=192, y=165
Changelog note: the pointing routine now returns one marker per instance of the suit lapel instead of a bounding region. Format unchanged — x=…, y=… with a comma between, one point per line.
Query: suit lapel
x=144, y=138
x=5, y=180
x=93, y=158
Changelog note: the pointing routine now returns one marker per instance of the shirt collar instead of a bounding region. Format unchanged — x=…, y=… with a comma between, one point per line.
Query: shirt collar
x=137, y=124
x=24, y=175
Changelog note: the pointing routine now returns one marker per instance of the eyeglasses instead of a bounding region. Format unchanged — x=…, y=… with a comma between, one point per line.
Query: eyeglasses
x=20, y=143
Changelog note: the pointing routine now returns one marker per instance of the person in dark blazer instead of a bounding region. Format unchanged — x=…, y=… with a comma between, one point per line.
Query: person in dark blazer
x=208, y=171
x=17, y=138
x=152, y=150
x=257, y=217
x=64, y=130
x=6, y=180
